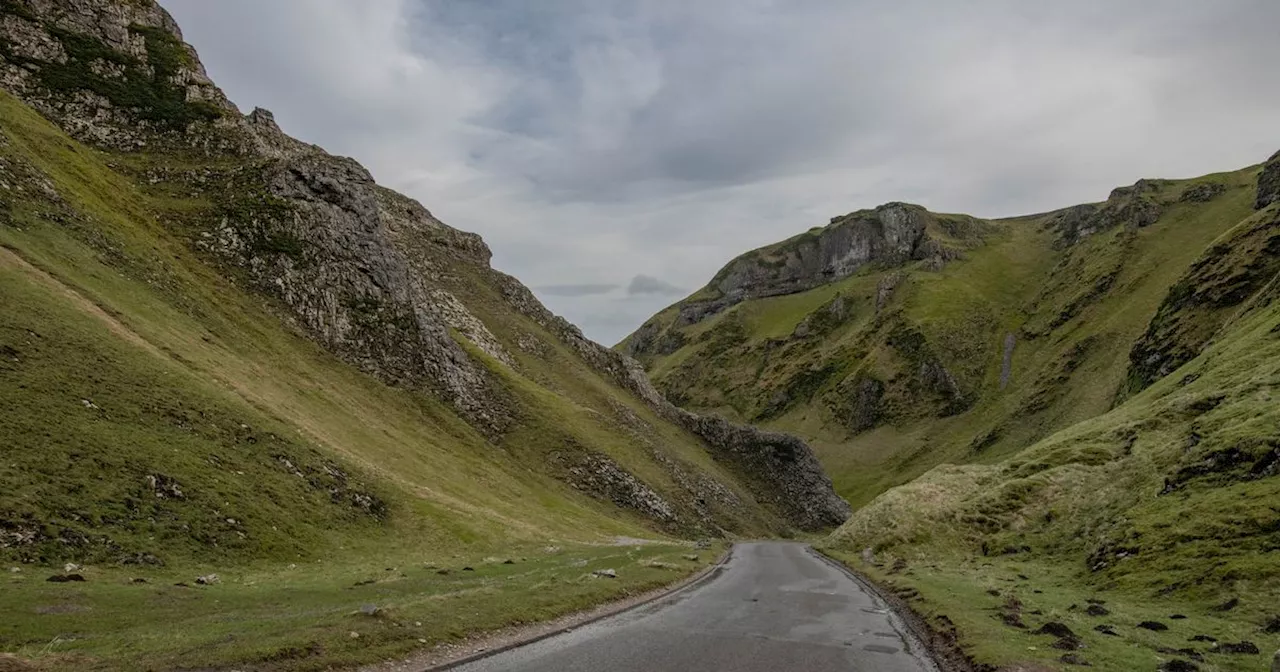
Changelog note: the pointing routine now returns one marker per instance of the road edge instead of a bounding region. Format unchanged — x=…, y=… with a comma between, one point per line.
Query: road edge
x=595, y=614
x=944, y=652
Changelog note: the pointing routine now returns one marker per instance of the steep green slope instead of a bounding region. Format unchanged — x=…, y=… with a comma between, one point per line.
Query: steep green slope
x=158, y=422
x=903, y=362
x=1071, y=422
x=225, y=351
x=1168, y=504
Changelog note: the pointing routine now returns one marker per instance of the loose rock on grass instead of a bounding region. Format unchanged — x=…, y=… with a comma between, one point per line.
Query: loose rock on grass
x=1243, y=648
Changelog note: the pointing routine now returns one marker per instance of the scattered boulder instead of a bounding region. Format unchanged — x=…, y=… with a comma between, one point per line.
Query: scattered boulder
x=66, y=578
x=442, y=572
x=208, y=580
x=1176, y=665
x=691, y=558
x=1228, y=605
x=140, y=580
x=1056, y=629
x=1108, y=630
x=1013, y=620
x=1154, y=626
x=508, y=561
x=1242, y=648
x=468, y=569
x=605, y=573
x=1097, y=610
x=1178, y=617
x=1272, y=626
x=366, y=582
x=1074, y=659
x=1203, y=638
x=1068, y=644
x=1275, y=662
x=71, y=568
x=370, y=609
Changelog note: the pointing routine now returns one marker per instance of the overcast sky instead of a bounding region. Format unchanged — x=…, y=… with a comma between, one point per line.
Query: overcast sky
x=615, y=154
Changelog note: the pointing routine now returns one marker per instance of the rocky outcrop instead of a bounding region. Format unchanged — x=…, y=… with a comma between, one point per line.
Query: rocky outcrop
x=652, y=339
x=1269, y=183
x=929, y=378
x=885, y=289
x=1230, y=273
x=369, y=274
x=781, y=469
x=115, y=74
x=825, y=319
x=893, y=233
x=604, y=478
x=865, y=395
x=1135, y=206
x=1202, y=192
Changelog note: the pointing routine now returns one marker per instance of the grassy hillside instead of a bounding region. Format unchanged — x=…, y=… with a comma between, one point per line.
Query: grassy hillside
x=1072, y=423
x=162, y=422
x=901, y=367
x=1168, y=504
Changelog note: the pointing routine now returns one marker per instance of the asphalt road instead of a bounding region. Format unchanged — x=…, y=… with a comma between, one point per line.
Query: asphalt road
x=773, y=607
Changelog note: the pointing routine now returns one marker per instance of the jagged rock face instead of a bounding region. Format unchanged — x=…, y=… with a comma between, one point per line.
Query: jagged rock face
x=1229, y=274
x=652, y=338
x=316, y=234
x=865, y=395
x=115, y=74
x=361, y=269
x=1269, y=183
x=781, y=469
x=1134, y=206
x=602, y=477
x=1202, y=192
x=892, y=233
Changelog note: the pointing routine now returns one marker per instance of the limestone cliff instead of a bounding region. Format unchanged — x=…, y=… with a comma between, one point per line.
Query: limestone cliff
x=889, y=235
x=369, y=274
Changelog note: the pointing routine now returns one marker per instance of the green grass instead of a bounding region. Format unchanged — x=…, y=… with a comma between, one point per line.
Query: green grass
x=1166, y=504
x=1074, y=313
x=301, y=617
x=1159, y=502
x=958, y=591
x=136, y=367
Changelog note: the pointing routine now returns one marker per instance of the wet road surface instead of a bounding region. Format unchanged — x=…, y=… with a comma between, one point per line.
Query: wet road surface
x=774, y=606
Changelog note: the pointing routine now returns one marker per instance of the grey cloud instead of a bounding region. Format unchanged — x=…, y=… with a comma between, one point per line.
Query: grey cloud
x=590, y=139
x=647, y=284
x=576, y=290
